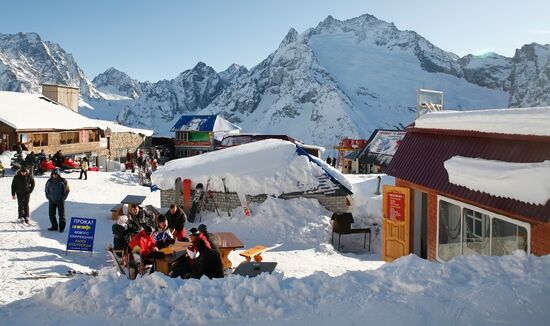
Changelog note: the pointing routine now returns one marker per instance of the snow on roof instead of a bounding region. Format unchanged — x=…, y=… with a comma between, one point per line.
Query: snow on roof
x=522, y=121
x=213, y=123
x=270, y=166
x=115, y=127
x=51, y=115
x=526, y=182
x=34, y=111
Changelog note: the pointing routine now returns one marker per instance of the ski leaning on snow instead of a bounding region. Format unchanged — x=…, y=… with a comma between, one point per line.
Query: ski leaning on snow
x=226, y=191
x=203, y=200
x=244, y=204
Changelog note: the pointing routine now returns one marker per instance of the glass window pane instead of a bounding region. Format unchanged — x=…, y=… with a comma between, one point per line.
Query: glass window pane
x=449, y=231
x=507, y=237
x=475, y=233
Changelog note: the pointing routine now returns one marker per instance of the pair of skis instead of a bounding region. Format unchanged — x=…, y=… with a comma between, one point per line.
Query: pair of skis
x=70, y=273
x=22, y=222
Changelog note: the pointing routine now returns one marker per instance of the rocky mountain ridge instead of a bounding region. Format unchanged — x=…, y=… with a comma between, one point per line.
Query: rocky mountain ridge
x=339, y=79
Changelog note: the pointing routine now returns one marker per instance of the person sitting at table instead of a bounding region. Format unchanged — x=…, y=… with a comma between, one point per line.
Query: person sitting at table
x=209, y=236
x=139, y=219
x=121, y=234
x=176, y=220
x=163, y=236
x=208, y=262
x=143, y=244
x=184, y=266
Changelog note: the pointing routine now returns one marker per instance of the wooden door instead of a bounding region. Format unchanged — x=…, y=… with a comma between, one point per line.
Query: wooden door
x=396, y=221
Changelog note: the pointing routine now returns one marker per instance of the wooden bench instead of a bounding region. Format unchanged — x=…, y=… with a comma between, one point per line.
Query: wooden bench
x=117, y=210
x=117, y=260
x=255, y=252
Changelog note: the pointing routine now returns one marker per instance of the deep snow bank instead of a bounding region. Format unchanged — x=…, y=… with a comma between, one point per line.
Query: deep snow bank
x=466, y=290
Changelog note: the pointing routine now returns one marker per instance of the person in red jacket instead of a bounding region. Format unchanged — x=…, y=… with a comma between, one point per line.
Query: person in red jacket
x=145, y=245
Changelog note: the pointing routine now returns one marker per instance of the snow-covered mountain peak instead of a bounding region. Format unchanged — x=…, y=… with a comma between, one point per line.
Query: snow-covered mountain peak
x=338, y=79
x=291, y=37
x=233, y=72
x=26, y=62
x=530, y=77
x=114, y=81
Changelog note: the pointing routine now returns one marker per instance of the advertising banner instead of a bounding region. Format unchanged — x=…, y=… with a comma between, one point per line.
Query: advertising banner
x=81, y=234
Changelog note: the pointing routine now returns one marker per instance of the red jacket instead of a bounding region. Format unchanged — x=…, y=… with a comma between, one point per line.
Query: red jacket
x=144, y=241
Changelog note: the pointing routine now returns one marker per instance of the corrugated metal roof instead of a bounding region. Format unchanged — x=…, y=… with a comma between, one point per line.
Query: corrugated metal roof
x=421, y=155
x=195, y=123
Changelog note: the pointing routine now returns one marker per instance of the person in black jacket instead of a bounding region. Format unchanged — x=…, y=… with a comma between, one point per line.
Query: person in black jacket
x=209, y=236
x=22, y=185
x=57, y=190
x=139, y=219
x=208, y=263
x=121, y=233
x=58, y=158
x=30, y=161
x=176, y=220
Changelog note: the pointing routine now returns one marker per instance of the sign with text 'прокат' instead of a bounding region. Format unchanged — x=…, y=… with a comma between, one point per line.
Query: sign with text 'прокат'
x=81, y=234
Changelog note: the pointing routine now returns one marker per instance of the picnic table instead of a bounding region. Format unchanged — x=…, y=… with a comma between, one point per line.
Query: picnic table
x=172, y=253
x=227, y=242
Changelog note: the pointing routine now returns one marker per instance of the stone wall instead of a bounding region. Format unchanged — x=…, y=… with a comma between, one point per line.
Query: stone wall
x=336, y=204
x=121, y=143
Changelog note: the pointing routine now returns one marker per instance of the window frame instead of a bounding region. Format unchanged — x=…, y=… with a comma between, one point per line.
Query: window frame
x=66, y=133
x=491, y=215
x=93, y=135
x=42, y=142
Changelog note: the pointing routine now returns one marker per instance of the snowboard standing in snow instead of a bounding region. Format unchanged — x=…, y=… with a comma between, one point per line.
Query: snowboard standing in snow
x=178, y=190
x=187, y=194
x=197, y=198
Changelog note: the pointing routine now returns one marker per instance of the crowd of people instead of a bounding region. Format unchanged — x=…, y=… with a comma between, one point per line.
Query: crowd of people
x=146, y=163
x=141, y=237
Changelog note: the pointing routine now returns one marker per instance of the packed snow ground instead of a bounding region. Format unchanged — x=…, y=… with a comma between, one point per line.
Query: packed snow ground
x=313, y=283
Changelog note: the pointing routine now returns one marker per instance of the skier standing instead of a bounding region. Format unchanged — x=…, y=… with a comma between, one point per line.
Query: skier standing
x=22, y=185
x=57, y=190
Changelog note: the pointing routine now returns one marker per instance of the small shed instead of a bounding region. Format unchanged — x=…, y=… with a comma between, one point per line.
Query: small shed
x=472, y=182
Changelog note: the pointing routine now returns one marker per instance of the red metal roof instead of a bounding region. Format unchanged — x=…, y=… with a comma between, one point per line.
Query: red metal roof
x=422, y=152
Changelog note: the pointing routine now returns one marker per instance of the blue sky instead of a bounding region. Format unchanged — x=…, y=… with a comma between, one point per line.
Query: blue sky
x=152, y=40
